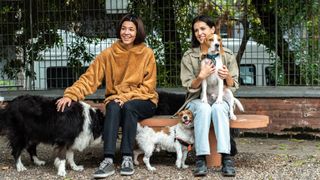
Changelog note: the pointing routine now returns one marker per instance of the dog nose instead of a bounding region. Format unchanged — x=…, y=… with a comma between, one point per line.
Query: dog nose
x=217, y=45
x=185, y=117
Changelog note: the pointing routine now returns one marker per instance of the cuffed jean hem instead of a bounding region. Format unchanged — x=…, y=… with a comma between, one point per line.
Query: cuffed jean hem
x=224, y=151
x=202, y=153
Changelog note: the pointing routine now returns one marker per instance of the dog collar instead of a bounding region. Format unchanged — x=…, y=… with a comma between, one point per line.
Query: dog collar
x=182, y=142
x=212, y=57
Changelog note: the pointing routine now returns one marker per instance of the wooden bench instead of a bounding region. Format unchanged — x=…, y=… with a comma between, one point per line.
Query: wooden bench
x=244, y=121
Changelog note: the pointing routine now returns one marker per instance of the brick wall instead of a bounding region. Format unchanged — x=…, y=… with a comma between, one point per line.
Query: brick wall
x=288, y=116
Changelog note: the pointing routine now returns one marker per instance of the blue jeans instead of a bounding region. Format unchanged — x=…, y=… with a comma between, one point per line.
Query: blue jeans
x=203, y=114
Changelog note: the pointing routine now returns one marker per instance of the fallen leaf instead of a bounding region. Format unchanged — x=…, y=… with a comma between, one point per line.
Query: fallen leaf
x=5, y=167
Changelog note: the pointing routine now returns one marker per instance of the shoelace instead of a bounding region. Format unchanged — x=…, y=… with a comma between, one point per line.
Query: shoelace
x=127, y=162
x=228, y=163
x=199, y=163
x=104, y=163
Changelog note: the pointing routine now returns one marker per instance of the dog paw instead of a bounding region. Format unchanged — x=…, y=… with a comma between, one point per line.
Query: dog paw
x=62, y=173
x=38, y=162
x=218, y=101
x=151, y=168
x=233, y=117
x=77, y=168
x=184, y=166
x=178, y=165
x=204, y=100
x=21, y=168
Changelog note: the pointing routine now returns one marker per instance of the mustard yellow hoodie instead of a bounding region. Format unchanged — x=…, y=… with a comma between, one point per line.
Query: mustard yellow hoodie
x=128, y=74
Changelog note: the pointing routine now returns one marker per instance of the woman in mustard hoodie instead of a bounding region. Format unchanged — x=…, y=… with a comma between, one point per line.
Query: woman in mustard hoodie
x=129, y=70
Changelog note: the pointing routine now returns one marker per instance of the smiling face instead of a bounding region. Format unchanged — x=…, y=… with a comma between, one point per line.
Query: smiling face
x=202, y=30
x=128, y=33
x=186, y=118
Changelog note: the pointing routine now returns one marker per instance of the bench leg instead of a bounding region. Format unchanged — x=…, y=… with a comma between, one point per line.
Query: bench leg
x=214, y=159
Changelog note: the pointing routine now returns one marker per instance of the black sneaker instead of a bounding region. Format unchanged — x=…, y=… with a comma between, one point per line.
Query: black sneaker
x=105, y=169
x=201, y=168
x=126, y=166
x=228, y=169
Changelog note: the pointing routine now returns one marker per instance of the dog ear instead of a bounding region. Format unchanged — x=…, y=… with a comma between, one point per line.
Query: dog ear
x=221, y=45
x=190, y=113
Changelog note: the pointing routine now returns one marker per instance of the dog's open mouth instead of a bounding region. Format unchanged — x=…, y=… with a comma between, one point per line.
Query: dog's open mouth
x=186, y=118
x=186, y=121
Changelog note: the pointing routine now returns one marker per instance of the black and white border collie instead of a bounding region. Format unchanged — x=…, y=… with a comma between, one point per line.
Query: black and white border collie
x=29, y=120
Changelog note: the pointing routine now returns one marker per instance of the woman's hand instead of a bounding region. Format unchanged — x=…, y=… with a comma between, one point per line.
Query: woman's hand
x=62, y=102
x=119, y=102
x=224, y=72
x=206, y=70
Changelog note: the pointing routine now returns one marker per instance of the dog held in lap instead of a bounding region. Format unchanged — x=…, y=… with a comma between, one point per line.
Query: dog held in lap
x=176, y=138
x=30, y=120
x=213, y=88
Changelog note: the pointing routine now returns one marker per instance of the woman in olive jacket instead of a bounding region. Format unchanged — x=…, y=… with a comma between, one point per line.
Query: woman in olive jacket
x=204, y=113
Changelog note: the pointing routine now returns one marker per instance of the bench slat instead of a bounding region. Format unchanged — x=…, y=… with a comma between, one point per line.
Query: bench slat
x=159, y=121
x=244, y=121
x=250, y=121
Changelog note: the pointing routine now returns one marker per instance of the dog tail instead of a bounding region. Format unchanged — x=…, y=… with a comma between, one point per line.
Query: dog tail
x=239, y=105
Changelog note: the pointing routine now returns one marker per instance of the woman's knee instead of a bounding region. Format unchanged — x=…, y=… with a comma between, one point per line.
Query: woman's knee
x=199, y=107
x=219, y=108
x=204, y=107
x=113, y=113
x=128, y=107
x=112, y=107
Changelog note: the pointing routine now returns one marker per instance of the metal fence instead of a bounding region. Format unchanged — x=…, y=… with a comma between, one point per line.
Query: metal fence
x=48, y=44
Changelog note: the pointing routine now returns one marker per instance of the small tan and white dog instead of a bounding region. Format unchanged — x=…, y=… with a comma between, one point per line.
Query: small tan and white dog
x=213, y=89
x=176, y=138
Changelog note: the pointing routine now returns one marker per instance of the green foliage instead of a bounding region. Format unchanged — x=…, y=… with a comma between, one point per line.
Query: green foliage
x=186, y=12
x=12, y=68
x=34, y=26
x=10, y=85
x=289, y=30
x=78, y=54
x=158, y=17
x=298, y=22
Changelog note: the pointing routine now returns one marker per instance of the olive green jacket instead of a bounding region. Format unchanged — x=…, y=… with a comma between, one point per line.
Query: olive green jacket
x=190, y=68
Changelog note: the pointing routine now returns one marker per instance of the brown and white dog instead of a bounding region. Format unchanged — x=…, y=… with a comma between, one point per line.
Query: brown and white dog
x=213, y=89
x=176, y=138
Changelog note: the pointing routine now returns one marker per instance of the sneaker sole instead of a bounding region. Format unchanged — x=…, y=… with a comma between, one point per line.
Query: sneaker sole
x=100, y=176
x=126, y=173
x=228, y=175
x=200, y=174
